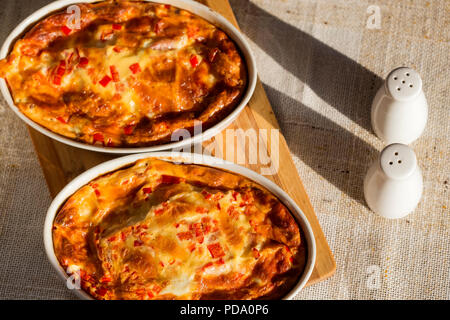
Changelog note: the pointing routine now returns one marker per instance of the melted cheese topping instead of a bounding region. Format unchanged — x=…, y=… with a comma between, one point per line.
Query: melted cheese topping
x=159, y=230
x=133, y=73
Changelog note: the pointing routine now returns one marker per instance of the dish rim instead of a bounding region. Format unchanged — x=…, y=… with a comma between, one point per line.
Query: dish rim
x=185, y=158
x=194, y=7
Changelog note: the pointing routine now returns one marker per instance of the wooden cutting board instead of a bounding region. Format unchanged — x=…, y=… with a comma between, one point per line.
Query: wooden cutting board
x=61, y=163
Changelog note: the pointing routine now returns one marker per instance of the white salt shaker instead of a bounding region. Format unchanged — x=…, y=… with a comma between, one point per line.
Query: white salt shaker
x=393, y=185
x=399, y=109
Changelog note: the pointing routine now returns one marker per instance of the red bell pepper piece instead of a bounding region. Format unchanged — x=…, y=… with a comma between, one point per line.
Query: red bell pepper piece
x=105, y=80
x=98, y=137
x=117, y=26
x=114, y=73
x=128, y=130
x=194, y=61
x=165, y=179
x=62, y=120
x=66, y=30
x=83, y=62
x=216, y=250
x=147, y=190
x=135, y=68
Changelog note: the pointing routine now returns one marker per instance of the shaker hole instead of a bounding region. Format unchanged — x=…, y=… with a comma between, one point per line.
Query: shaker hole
x=403, y=81
x=399, y=161
x=407, y=74
x=396, y=153
x=395, y=78
x=391, y=163
x=398, y=89
x=410, y=85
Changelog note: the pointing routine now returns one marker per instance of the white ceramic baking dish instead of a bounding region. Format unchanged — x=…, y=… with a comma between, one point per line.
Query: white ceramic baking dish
x=192, y=6
x=178, y=157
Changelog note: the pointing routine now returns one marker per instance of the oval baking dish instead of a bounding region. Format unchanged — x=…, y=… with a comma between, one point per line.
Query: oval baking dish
x=178, y=203
x=204, y=84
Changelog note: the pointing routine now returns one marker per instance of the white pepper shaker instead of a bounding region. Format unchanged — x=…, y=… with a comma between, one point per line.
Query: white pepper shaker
x=400, y=110
x=393, y=185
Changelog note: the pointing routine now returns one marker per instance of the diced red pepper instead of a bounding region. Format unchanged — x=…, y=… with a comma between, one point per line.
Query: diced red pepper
x=256, y=253
x=109, y=143
x=232, y=212
x=206, y=225
x=128, y=129
x=105, y=80
x=191, y=247
x=101, y=291
x=105, y=279
x=117, y=26
x=57, y=80
x=61, y=68
x=159, y=211
x=194, y=61
x=66, y=30
x=165, y=179
x=161, y=264
x=117, y=49
x=216, y=250
x=111, y=239
x=98, y=137
x=138, y=243
x=235, y=194
x=147, y=190
x=218, y=206
x=220, y=261
x=117, y=97
x=83, y=62
x=114, y=73
x=184, y=235
x=201, y=210
x=167, y=6
x=198, y=228
x=206, y=194
x=135, y=68
x=97, y=193
x=62, y=120
x=192, y=31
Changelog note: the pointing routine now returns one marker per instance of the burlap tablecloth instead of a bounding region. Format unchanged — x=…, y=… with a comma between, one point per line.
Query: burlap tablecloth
x=321, y=63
